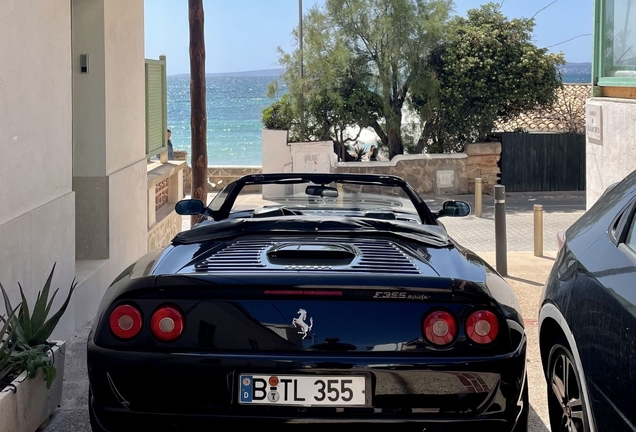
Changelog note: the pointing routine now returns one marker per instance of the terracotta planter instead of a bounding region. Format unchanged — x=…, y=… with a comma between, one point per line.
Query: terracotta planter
x=30, y=404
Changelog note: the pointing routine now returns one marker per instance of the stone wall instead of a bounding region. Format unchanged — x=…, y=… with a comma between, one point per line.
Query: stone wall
x=218, y=176
x=483, y=161
x=163, y=232
x=439, y=173
x=427, y=173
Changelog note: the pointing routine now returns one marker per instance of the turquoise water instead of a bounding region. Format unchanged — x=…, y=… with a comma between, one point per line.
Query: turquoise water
x=234, y=106
x=577, y=78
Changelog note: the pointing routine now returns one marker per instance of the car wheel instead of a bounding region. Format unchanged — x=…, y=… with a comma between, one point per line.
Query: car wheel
x=95, y=427
x=522, y=423
x=565, y=395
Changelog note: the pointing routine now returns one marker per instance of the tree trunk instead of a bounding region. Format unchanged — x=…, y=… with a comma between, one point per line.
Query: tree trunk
x=198, y=117
x=394, y=134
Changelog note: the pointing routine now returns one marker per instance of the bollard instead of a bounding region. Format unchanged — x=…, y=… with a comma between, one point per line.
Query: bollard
x=538, y=230
x=478, y=192
x=501, y=244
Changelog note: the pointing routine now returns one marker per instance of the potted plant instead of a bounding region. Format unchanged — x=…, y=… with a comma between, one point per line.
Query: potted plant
x=31, y=365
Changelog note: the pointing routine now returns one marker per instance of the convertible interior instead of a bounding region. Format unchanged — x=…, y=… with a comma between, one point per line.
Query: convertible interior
x=280, y=211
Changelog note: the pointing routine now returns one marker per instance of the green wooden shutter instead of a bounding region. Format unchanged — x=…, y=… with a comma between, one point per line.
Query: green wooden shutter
x=156, y=107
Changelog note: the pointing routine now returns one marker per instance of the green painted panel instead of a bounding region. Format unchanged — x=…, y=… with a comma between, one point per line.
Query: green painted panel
x=156, y=107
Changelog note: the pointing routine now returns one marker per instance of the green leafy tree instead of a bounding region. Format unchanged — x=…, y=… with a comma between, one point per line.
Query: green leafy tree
x=279, y=115
x=361, y=58
x=331, y=98
x=487, y=68
x=394, y=38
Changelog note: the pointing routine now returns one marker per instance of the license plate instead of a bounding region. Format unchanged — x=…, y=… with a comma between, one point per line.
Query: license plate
x=305, y=390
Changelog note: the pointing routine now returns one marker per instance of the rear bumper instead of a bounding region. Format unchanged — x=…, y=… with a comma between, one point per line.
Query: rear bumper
x=153, y=391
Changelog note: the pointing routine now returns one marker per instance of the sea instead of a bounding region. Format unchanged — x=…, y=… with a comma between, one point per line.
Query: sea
x=234, y=108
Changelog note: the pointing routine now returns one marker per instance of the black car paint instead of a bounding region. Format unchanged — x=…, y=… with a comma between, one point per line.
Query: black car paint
x=143, y=378
x=592, y=284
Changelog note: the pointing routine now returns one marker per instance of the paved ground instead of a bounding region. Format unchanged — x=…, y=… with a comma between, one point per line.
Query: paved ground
x=560, y=210
x=527, y=276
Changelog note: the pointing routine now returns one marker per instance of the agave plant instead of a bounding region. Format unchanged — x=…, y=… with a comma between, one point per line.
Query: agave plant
x=6, y=345
x=35, y=329
x=29, y=333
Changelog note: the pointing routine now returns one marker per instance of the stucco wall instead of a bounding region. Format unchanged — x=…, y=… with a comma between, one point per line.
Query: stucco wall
x=613, y=157
x=125, y=83
x=89, y=106
x=37, y=224
x=35, y=104
x=109, y=145
x=128, y=216
x=111, y=99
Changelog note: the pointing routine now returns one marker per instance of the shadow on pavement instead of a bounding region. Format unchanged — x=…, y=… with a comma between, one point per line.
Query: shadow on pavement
x=535, y=424
x=526, y=281
x=547, y=258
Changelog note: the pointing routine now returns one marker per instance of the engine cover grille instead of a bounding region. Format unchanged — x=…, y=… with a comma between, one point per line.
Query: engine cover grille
x=372, y=256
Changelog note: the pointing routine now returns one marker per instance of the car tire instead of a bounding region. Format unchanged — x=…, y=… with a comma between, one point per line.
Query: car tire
x=95, y=427
x=566, y=401
x=522, y=423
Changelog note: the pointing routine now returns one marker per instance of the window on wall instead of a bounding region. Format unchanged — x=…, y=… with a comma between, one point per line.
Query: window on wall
x=616, y=42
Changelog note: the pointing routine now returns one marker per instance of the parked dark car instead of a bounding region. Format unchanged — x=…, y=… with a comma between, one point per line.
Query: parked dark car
x=302, y=299
x=587, y=321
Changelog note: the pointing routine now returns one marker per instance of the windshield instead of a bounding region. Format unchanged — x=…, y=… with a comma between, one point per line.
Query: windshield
x=340, y=197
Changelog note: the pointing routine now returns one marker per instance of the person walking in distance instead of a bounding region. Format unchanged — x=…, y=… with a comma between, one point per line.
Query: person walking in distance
x=170, y=148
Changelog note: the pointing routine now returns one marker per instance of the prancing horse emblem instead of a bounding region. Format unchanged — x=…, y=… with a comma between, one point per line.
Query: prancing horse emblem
x=300, y=322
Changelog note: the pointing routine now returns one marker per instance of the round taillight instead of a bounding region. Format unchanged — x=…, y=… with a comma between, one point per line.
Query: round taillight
x=125, y=321
x=166, y=324
x=440, y=328
x=482, y=327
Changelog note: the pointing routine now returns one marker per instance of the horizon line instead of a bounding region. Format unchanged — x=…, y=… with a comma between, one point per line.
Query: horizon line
x=235, y=72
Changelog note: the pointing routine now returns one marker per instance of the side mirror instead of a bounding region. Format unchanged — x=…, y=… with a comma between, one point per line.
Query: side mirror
x=454, y=209
x=189, y=207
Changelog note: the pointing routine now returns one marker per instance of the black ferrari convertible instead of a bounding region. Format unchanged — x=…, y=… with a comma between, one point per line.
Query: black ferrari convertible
x=307, y=300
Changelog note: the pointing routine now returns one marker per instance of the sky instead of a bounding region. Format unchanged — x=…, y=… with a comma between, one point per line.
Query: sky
x=243, y=35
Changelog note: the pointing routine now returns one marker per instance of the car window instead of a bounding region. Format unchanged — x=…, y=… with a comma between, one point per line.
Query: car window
x=218, y=201
x=334, y=196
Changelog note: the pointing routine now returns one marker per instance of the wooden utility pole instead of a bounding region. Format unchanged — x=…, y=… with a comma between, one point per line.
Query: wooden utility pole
x=302, y=70
x=198, y=116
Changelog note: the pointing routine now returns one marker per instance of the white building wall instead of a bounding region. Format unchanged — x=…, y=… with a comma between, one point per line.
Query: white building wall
x=89, y=106
x=126, y=131
x=125, y=95
x=37, y=204
x=613, y=157
x=73, y=179
x=110, y=158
